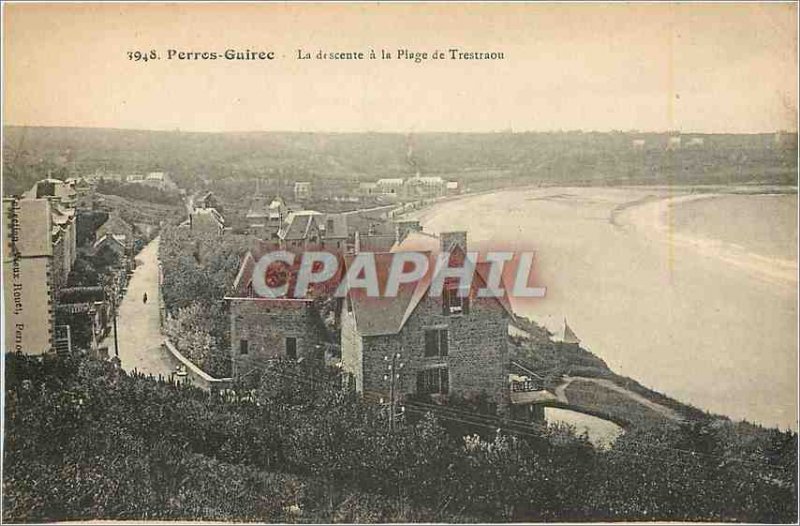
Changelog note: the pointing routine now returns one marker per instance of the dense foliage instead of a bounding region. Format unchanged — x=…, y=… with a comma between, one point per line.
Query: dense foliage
x=474, y=158
x=138, y=192
x=198, y=271
x=84, y=439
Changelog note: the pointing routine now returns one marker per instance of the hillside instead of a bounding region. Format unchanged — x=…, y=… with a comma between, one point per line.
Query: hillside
x=480, y=159
x=85, y=440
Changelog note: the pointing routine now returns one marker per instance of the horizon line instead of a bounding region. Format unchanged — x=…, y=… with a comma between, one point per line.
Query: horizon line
x=404, y=132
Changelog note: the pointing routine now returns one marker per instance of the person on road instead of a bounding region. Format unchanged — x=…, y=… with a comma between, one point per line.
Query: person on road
x=144, y=298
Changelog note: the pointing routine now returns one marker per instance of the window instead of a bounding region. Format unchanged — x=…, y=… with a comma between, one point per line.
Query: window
x=329, y=226
x=243, y=346
x=452, y=302
x=436, y=343
x=433, y=381
x=291, y=348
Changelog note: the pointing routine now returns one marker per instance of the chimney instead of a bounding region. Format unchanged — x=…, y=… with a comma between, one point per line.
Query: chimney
x=405, y=227
x=451, y=239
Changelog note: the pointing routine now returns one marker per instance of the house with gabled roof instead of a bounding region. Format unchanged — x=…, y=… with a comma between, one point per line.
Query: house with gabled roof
x=266, y=329
x=314, y=230
x=301, y=229
x=116, y=244
x=449, y=345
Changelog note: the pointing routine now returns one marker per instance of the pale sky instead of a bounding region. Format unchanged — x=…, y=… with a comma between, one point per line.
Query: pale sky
x=693, y=67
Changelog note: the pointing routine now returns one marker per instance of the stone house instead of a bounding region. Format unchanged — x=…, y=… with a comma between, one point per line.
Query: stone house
x=448, y=345
x=271, y=329
x=265, y=329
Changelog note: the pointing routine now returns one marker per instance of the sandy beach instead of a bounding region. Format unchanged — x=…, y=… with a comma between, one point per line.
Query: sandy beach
x=656, y=219
x=654, y=291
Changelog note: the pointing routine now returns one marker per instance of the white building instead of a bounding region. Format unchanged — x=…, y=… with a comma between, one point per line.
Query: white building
x=28, y=285
x=393, y=186
x=302, y=190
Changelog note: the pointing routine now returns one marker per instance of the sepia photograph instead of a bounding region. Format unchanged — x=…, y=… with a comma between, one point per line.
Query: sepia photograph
x=399, y=262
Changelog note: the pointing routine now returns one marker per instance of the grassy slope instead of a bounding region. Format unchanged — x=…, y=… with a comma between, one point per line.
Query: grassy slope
x=553, y=361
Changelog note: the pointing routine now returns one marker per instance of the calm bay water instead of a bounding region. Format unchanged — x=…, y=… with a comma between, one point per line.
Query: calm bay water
x=694, y=296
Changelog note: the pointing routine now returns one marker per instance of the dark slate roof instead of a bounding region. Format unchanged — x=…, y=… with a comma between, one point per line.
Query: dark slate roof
x=339, y=230
x=382, y=315
x=244, y=278
x=298, y=225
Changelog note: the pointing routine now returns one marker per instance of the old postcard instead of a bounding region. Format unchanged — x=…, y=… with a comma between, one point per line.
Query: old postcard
x=400, y=262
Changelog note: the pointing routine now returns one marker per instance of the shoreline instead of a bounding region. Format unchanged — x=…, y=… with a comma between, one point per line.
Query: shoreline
x=614, y=207
x=649, y=215
x=653, y=220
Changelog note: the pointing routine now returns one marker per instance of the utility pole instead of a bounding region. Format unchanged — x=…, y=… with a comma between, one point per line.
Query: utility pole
x=393, y=376
x=112, y=291
x=114, y=309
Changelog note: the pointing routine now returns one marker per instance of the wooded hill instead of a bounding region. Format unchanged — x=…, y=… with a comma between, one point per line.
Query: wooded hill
x=475, y=158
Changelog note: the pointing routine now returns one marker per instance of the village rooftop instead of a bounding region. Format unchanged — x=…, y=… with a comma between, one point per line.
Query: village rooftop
x=321, y=267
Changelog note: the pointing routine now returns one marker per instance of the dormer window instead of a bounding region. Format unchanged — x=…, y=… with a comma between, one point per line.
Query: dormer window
x=455, y=301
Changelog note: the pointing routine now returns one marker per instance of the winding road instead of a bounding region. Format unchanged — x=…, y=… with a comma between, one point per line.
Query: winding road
x=139, y=323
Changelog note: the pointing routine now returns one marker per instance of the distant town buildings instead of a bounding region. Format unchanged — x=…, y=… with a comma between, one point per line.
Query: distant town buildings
x=302, y=191
x=422, y=187
x=392, y=186
x=160, y=180
x=367, y=189
x=266, y=217
x=416, y=187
